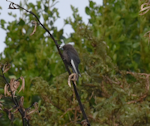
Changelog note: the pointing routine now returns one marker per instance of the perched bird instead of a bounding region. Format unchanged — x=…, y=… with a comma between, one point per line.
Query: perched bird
x=71, y=57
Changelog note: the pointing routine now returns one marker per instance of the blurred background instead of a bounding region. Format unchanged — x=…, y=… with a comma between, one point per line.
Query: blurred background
x=112, y=40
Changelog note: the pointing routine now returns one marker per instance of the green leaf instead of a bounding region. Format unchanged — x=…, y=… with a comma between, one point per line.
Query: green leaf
x=21, y=22
x=87, y=10
x=2, y=23
x=92, y=4
x=46, y=8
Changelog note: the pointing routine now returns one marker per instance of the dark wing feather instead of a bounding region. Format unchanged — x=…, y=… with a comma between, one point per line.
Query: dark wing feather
x=74, y=56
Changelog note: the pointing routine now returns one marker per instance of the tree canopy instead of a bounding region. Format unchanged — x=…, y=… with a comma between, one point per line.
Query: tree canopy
x=115, y=64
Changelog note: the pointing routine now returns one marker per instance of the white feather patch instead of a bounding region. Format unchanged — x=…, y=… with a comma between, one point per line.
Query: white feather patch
x=73, y=65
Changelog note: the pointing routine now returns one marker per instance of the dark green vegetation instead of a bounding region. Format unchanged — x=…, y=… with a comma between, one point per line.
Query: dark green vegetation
x=115, y=62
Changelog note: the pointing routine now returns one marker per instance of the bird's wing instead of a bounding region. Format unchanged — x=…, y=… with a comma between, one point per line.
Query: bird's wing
x=74, y=60
x=74, y=66
x=74, y=56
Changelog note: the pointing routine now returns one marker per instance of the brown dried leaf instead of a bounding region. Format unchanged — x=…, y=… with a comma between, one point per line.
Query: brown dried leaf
x=23, y=84
x=14, y=85
x=84, y=123
x=144, y=10
x=36, y=105
x=27, y=114
x=6, y=67
x=10, y=115
x=36, y=108
x=35, y=25
x=145, y=35
x=6, y=92
x=16, y=110
x=69, y=81
x=27, y=117
x=72, y=77
x=21, y=101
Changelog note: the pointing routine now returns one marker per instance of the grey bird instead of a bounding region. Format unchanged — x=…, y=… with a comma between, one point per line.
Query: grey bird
x=71, y=57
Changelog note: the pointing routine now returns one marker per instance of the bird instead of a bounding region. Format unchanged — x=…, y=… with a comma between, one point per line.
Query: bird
x=71, y=57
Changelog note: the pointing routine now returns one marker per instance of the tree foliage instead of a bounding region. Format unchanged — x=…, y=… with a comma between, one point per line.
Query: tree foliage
x=115, y=63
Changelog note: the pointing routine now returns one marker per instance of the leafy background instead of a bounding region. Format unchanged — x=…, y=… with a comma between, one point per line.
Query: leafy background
x=114, y=53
